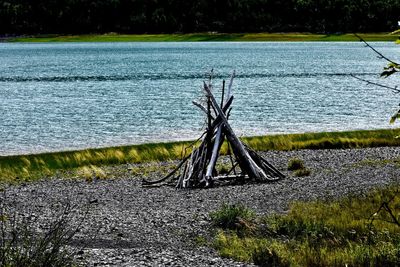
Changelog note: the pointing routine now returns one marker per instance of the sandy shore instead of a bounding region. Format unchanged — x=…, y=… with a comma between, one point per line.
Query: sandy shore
x=129, y=225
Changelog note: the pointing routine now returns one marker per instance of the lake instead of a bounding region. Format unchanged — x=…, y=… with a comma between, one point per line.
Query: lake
x=62, y=96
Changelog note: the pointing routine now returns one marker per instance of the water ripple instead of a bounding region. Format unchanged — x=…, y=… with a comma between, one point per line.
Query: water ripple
x=101, y=78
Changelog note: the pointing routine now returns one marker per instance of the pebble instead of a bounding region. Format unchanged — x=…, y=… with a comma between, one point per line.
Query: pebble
x=128, y=225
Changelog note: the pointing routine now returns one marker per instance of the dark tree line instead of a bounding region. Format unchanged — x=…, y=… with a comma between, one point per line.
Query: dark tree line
x=167, y=16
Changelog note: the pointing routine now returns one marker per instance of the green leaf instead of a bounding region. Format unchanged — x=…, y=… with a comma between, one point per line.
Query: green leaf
x=393, y=65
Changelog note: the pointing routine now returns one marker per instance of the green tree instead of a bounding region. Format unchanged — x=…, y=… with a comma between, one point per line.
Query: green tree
x=152, y=16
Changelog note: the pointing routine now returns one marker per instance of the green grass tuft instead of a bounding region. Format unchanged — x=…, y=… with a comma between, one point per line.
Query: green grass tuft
x=295, y=164
x=234, y=217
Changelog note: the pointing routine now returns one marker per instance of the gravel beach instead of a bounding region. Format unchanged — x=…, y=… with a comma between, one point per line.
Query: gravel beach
x=129, y=225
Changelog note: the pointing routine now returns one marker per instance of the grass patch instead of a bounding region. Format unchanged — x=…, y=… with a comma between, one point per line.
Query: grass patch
x=325, y=140
x=34, y=166
x=205, y=37
x=349, y=232
x=233, y=217
x=378, y=162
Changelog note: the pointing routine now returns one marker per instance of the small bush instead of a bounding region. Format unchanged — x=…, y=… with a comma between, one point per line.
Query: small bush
x=302, y=172
x=295, y=164
x=234, y=217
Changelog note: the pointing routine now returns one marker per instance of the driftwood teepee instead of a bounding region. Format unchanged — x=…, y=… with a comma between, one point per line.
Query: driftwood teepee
x=199, y=168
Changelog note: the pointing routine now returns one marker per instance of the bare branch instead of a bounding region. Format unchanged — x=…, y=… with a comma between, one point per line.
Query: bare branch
x=393, y=88
x=204, y=109
x=376, y=51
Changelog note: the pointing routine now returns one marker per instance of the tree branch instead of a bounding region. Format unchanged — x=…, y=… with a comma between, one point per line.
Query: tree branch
x=393, y=88
x=376, y=51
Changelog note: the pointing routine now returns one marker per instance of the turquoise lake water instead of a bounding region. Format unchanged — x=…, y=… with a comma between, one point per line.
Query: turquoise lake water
x=66, y=96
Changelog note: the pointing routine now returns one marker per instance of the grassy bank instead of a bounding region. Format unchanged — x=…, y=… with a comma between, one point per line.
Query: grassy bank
x=28, y=167
x=205, y=37
x=350, y=232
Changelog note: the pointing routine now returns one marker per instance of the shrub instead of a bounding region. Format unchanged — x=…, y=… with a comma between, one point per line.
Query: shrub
x=295, y=164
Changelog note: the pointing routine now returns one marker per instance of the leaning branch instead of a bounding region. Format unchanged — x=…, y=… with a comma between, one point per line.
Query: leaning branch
x=148, y=182
x=393, y=88
x=382, y=56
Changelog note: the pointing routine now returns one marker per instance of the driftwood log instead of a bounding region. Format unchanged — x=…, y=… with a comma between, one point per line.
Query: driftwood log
x=198, y=169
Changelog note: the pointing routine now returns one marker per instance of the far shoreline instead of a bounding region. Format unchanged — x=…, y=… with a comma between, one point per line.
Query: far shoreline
x=203, y=37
